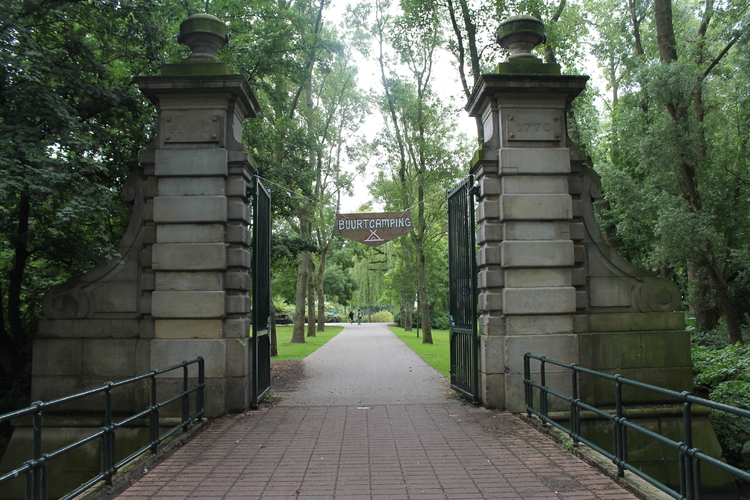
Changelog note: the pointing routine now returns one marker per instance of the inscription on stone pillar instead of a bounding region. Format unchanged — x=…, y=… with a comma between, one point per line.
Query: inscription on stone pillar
x=536, y=125
x=191, y=127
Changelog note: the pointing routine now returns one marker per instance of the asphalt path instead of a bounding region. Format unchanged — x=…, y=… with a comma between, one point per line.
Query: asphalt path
x=367, y=365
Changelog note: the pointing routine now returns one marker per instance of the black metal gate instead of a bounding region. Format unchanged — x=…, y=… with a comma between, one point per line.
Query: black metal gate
x=464, y=342
x=261, y=268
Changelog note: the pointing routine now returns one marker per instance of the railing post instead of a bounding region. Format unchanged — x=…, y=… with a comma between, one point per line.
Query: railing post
x=543, y=392
x=199, y=401
x=528, y=390
x=108, y=439
x=37, y=475
x=687, y=439
x=153, y=417
x=185, y=397
x=619, y=430
x=575, y=415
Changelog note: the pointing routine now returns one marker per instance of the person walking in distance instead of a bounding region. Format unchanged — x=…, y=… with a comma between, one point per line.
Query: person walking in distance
x=351, y=317
x=359, y=316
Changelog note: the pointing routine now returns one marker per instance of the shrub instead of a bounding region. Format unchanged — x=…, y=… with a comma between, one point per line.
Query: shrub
x=724, y=374
x=383, y=316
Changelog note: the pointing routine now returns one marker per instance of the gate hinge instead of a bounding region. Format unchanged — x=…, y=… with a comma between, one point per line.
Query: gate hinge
x=475, y=190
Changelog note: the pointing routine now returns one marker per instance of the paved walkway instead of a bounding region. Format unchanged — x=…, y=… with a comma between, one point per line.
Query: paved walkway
x=372, y=434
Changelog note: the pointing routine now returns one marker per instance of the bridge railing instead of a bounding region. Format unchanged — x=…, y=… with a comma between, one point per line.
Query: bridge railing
x=690, y=457
x=36, y=469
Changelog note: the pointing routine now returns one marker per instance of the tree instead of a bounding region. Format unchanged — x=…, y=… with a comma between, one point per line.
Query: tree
x=666, y=129
x=71, y=127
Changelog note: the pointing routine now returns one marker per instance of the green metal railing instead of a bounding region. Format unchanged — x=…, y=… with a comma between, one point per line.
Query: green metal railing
x=35, y=469
x=690, y=457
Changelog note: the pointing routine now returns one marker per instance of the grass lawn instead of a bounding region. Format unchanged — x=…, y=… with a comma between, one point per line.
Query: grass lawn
x=288, y=350
x=437, y=354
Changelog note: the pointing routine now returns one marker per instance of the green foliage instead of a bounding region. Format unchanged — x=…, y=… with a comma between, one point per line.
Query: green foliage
x=383, y=316
x=725, y=375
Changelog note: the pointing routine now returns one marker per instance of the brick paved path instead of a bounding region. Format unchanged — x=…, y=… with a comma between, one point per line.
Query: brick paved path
x=338, y=449
x=384, y=452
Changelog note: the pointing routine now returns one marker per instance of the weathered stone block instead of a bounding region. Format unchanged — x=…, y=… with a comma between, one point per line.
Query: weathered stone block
x=582, y=299
x=189, y=256
x=530, y=230
x=519, y=161
x=667, y=349
x=191, y=186
x=522, y=301
x=560, y=347
x=619, y=322
x=238, y=257
x=492, y=390
x=535, y=207
x=66, y=328
x=237, y=328
x=488, y=208
x=57, y=357
x=536, y=277
x=577, y=231
x=516, y=396
x=236, y=186
x=489, y=232
x=188, y=329
x=238, y=210
x=170, y=304
x=236, y=233
x=167, y=352
x=237, y=303
x=490, y=301
x=490, y=278
x=489, y=186
x=489, y=255
x=112, y=358
x=492, y=354
x=189, y=281
x=492, y=323
x=237, y=281
x=537, y=253
x=578, y=276
x=190, y=162
x=610, y=292
x=238, y=358
x=190, y=209
x=534, y=184
x=534, y=325
x=190, y=233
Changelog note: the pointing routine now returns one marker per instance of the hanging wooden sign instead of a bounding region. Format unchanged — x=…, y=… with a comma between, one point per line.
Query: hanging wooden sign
x=373, y=229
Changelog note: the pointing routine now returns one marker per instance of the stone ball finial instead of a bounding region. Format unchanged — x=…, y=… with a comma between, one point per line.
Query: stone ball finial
x=519, y=35
x=205, y=35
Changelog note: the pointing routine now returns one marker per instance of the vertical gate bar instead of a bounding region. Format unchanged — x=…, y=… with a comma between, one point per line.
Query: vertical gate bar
x=575, y=421
x=619, y=431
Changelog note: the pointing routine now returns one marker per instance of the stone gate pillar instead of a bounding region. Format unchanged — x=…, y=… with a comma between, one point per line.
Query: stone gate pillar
x=197, y=175
x=180, y=289
x=548, y=282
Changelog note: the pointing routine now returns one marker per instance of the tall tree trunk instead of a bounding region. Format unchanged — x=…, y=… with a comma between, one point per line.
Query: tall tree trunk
x=320, y=282
x=311, y=300
x=700, y=302
x=726, y=302
x=303, y=275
